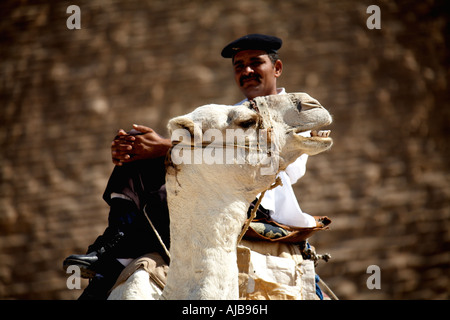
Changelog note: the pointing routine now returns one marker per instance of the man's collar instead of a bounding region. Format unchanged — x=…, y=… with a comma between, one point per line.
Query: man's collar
x=281, y=90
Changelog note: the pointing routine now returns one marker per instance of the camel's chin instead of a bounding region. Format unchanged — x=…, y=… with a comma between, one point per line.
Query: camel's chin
x=313, y=145
x=319, y=144
x=321, y=140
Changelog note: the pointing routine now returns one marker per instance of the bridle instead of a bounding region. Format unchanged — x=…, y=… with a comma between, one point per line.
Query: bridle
x=263, y=127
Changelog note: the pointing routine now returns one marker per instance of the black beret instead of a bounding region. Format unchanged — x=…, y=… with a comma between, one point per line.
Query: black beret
x=255, y=41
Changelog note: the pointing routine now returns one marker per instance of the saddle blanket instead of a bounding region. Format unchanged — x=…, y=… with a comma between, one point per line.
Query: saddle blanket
x=267, y=271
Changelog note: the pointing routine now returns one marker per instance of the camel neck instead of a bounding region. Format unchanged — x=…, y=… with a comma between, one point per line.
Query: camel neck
x=204, y=227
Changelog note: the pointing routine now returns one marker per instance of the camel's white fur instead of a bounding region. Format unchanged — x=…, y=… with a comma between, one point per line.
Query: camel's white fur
x=208, y=202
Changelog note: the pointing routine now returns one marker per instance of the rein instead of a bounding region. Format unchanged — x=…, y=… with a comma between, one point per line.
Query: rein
x=255, y=208
x=156, y=233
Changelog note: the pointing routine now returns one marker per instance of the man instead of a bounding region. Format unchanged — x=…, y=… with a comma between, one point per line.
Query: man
x=137, y=184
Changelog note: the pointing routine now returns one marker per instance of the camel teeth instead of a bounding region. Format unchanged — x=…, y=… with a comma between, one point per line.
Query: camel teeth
x=320, y=133
x=324, y=133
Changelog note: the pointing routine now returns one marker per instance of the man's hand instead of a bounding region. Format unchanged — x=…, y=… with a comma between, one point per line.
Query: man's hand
x=140, y=143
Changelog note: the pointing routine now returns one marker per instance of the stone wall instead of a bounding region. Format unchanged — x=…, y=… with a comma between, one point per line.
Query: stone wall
x=385, y=183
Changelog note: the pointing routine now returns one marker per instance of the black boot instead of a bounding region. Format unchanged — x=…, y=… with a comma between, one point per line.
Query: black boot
x=122, y=220
x=88, y=263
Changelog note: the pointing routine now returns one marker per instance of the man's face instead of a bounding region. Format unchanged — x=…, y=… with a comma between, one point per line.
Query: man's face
x=255, y=74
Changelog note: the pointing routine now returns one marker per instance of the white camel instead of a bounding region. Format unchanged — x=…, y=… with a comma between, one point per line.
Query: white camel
x=211, y=181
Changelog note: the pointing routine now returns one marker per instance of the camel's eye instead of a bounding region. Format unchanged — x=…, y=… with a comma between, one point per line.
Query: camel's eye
x=241, y=118
x=245, y=124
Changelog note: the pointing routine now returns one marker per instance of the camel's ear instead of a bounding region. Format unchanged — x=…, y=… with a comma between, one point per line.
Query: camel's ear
x=181, y=127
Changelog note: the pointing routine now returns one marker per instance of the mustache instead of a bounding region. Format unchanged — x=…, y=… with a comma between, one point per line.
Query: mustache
x=256, y=77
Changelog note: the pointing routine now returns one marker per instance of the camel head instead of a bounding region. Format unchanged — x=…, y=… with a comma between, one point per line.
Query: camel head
x=265, y=132
x=294, y=114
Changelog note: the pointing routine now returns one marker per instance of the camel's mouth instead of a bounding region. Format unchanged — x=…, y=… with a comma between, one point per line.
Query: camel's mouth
x=315, y=133
x=313, y=142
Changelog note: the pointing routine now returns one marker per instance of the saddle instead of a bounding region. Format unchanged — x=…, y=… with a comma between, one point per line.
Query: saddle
x=269, y=230
x=262, y=227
